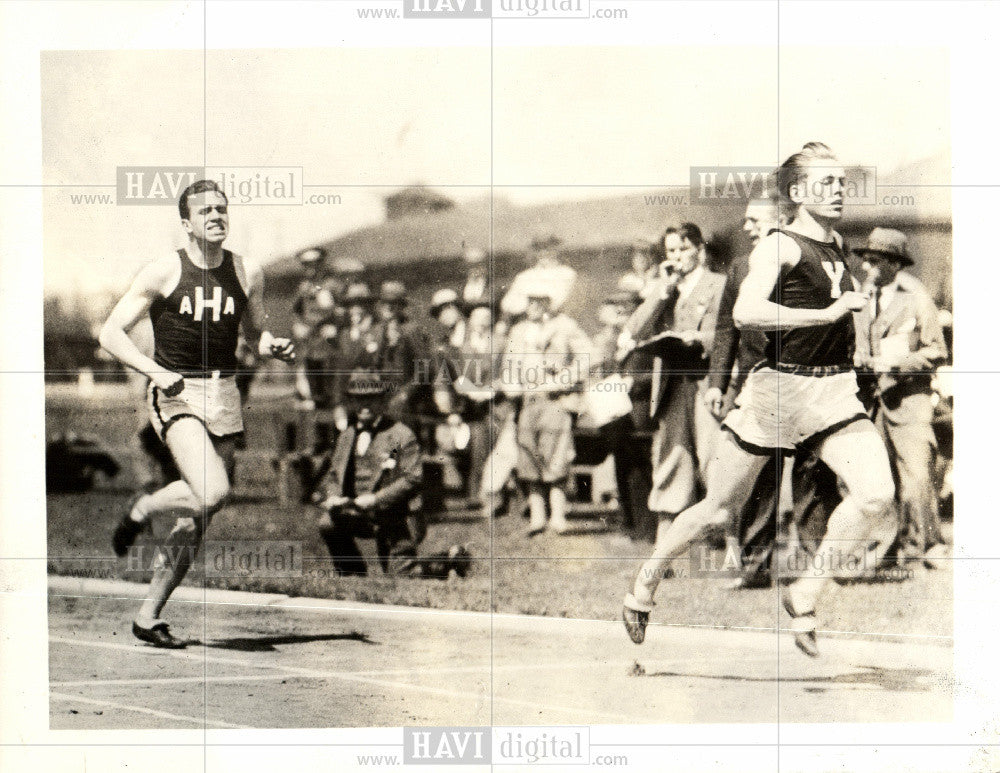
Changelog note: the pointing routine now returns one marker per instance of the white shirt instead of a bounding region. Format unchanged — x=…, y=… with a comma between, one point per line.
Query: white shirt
x=475, y=288
x=557, y=278
x=885, y=297
x=688, y=282
x=457, y=336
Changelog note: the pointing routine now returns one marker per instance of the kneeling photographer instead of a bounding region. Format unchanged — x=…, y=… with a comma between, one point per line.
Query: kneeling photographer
x=372, y=474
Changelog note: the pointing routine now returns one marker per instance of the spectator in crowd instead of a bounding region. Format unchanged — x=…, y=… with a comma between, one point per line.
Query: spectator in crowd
x=315, y=328
x=548, y=271
x=641, y=277
x=357, y=345
x=480, y=353
x=401, y=347
x=629, y=449
x=613, y=316
x=371, y=477
x=791, y=499
x=477, y=277
x=446, y=309
x=900, y=341
x=497, y=486
x=446, y=345
x=547, y=358
x=684, y=301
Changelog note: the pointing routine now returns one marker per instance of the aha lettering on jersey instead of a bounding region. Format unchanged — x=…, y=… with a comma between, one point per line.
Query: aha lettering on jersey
x=200, y=304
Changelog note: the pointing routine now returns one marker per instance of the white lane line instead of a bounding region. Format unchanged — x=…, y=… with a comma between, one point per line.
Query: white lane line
x=171, y=680
x=200, y=721
x=75, y=587
x=139, y=649
x=349, y=677
x=484, y=669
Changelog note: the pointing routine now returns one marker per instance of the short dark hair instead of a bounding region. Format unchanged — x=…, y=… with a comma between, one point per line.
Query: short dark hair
x=688, y=231
x=199, y=186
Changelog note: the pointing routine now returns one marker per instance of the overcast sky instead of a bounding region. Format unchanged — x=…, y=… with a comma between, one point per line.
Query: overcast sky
x=556, y=123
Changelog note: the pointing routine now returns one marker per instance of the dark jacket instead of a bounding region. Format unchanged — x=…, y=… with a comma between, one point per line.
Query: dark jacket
x=390, y=468
x=731, y=346
x=696, y=311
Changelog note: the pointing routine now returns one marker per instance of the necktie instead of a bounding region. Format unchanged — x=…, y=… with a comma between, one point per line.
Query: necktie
x=364, y=440
x=878, y=301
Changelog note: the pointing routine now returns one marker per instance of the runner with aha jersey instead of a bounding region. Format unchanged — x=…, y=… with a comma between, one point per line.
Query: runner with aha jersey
x=197, y=298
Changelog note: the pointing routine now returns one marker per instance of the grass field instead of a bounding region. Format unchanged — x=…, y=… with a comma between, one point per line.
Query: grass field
x=580, y=575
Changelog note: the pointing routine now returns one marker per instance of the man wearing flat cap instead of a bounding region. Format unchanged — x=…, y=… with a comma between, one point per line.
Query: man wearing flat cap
x=900, y=341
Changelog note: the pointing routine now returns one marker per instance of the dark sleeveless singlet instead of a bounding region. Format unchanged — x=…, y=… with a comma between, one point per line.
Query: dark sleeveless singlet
x=196, y=327
x=808, y=285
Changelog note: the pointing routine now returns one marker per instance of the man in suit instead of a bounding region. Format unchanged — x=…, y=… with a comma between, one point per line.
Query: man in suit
x=402, y=345
x=357, y=345
x=685, y=301
x=900, y=341
x=369, y=479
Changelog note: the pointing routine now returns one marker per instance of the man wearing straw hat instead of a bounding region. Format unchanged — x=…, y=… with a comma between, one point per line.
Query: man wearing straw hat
x=900, y=339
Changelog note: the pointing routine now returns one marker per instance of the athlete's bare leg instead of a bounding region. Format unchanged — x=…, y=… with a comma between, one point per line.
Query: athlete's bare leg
x=857, y=455
x=173, y=496
x=202, y=461
x=731, y=476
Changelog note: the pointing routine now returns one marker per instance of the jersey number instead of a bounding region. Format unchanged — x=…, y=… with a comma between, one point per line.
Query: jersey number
x=836, y=272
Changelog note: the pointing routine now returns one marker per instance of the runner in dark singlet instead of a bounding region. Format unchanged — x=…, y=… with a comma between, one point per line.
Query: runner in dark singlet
x=820, y=274
x=196, y=328
x=799, y=292
x=197, y=299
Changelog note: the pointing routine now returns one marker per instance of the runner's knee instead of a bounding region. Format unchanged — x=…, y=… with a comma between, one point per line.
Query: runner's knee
x=212, y=495
x=876, y=500
x=216, y=495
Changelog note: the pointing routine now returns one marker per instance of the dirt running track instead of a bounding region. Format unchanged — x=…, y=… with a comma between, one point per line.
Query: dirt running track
x=274, y=662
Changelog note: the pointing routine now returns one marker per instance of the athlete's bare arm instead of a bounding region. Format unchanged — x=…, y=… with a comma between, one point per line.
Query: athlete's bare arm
x=255, y=319
x=755, y=311
x=156, y=280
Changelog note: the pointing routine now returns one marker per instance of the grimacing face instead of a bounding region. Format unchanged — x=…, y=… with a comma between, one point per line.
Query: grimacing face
x=209, y=217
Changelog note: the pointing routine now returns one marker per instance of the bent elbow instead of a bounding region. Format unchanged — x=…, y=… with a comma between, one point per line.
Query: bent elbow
x=741, y=319
x=104, y=336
